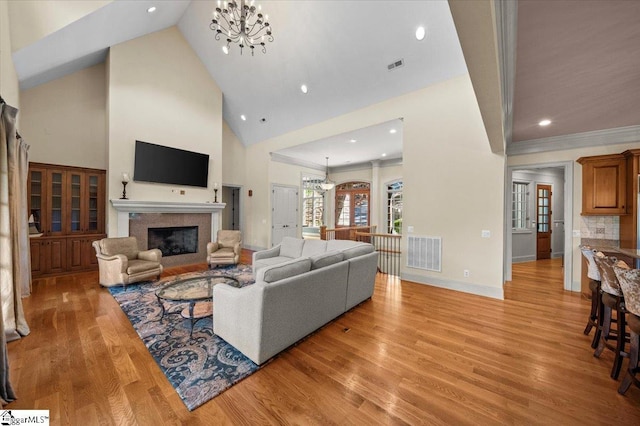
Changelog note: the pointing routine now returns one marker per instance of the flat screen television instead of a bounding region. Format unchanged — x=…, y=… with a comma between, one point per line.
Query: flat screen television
x=163, y=164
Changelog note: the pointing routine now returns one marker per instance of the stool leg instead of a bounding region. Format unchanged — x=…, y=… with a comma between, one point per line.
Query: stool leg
x=598, y=333
x=620, y=344
x=606, y=330
x=593, y=315
x=633, y=364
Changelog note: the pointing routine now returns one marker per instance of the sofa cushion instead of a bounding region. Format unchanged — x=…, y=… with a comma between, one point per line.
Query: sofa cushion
x=291, y=247
x=284, y=270
x=127, y=246
x=358, y=250
x=325, y=259
x=313, y=247
x=136, y=266
x=341, y=244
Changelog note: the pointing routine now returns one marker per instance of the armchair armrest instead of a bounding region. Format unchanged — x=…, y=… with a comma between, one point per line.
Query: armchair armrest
x=237, y=249
x=154, y=255
x=118, y=261
x=211, y=247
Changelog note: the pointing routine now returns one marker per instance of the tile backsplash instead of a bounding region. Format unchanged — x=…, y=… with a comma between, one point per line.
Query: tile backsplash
x=600, y=227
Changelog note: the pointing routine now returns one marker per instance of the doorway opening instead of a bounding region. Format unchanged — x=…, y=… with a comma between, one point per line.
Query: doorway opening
x=231, y=213
x=538, y=213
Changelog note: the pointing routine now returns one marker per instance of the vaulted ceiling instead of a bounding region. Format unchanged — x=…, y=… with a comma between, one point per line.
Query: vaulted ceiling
x=575, y=63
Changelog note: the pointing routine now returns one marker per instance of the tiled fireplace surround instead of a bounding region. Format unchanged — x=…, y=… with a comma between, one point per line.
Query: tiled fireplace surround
x=135, y=217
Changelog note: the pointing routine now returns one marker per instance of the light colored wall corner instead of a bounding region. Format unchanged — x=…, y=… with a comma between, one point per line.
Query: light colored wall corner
x=233, y=155
x=160, y=92
x=571, y=155
x=64, y=120
x=454, y=184
x=9, y=86
x=35, y=19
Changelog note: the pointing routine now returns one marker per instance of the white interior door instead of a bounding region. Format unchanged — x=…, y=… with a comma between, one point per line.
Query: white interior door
x=284, y=213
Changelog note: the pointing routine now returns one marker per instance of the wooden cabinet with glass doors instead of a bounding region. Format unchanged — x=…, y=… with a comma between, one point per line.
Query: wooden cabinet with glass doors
x=67, y=205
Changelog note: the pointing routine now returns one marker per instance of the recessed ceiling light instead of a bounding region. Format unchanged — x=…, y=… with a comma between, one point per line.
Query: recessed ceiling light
x=384, y=154
x=353, y=141
x=304, y=88
x=544, y=122
x=243, y=117
x=421, y=33
x=392, y=131
x=225, y=49
x=151, y=9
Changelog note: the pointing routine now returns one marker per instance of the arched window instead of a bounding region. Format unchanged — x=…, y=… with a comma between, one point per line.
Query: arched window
x=352, y=204
x=394, y=207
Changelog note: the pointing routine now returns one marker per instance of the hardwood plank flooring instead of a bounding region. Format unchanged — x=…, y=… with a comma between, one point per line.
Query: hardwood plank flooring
x=414, y=354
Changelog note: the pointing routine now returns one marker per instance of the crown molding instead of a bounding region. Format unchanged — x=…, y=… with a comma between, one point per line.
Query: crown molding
x=367, y=165
x=507, y=31
x=612, y=136
x=279, y=158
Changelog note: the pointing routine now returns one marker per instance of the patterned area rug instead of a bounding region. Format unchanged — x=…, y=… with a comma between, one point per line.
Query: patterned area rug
x=199, y=368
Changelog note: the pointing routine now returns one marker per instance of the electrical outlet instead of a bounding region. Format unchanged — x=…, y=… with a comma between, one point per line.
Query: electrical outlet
x=599, y=230
x=485, y=233
x=466, y=273
x=576, y=233
x=409, y=228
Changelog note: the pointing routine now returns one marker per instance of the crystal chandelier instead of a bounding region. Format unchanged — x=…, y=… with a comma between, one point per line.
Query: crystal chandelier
x=241, y=23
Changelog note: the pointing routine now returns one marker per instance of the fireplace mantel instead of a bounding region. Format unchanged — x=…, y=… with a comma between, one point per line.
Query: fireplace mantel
x=133, y=206
x=124, y=207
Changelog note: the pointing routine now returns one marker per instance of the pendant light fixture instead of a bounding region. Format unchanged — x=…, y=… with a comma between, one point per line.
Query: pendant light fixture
x=326, y=184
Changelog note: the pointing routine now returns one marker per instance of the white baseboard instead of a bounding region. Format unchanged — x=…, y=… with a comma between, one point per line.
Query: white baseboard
x=477, y=289
x=556, y=255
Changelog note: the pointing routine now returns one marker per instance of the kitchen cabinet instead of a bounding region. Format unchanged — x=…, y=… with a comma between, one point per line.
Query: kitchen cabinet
x=68, y=208
x=604, y=185
x=629, y=222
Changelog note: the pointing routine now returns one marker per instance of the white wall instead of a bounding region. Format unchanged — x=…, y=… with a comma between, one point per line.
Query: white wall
x=33, y=20
x=571, y=155
x=64, y=120
x=233, y=153
x=9, y=87
x=454, y=185
x=160, y=92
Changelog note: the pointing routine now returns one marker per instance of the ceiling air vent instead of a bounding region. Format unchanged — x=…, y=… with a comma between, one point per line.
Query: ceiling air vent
x=396, y=64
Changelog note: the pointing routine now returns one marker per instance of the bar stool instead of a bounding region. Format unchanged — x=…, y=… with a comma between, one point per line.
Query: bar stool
x=629, y=280
x=612, y=300
x=594, y=285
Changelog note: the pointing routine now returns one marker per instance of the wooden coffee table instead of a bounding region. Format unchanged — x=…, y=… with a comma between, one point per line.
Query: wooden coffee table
x=192, y=290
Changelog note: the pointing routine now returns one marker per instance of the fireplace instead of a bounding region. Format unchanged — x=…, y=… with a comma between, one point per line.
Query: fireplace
x=173, y=240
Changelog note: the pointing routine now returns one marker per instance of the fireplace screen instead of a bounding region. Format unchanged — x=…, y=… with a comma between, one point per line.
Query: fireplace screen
x=173, y=241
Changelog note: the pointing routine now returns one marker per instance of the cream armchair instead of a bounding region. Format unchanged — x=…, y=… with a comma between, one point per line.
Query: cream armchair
x=226, y=250
x=120, y=261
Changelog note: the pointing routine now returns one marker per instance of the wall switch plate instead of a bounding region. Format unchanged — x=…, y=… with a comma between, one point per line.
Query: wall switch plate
x=409, y=228
x=486, y=233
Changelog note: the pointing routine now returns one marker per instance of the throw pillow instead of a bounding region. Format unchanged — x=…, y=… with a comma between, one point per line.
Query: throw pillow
x=358, y=250
x=291, y=247
x=284, y=270
x=326, y=259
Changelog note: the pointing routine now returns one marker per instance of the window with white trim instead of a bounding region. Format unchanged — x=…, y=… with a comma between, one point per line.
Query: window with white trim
x=394, y=207
x=520, y=206
x=312, y=202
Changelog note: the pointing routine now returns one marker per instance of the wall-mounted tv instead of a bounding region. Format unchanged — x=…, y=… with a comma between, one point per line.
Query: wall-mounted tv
x=163, y=164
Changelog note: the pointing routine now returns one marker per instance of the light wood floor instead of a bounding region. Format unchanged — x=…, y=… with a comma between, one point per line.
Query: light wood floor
x=414, y=354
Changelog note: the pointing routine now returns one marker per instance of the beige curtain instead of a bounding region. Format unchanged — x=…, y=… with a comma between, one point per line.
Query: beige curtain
x=7, y=132
x=15, y=268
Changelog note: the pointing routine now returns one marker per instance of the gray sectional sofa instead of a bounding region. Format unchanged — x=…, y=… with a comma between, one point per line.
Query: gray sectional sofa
x=300, y=286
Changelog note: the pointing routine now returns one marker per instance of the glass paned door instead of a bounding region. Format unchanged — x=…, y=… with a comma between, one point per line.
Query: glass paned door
x=543, y=225
x=76, y=202
x=56, y=205
x=36, y=202
x=93, y=203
